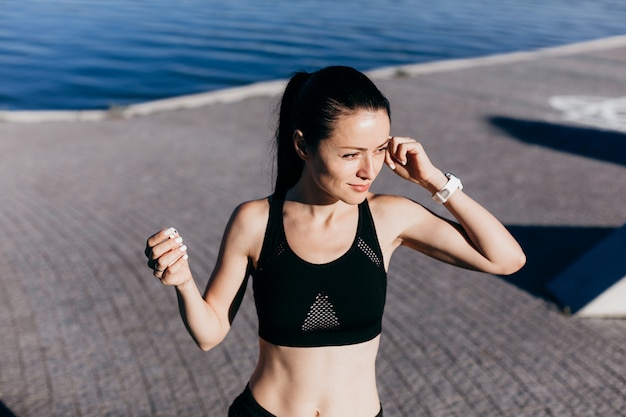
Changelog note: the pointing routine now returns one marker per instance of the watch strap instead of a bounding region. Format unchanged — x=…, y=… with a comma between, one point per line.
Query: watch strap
x=447, y=190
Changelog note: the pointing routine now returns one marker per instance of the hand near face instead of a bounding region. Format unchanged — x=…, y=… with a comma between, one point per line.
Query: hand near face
x=167, y=257
x=407, y=158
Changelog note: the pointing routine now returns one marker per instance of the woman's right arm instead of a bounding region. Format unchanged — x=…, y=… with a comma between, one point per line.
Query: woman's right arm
x=206, y=317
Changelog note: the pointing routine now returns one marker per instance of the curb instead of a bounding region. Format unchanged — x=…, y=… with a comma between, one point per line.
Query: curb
x=271, y=88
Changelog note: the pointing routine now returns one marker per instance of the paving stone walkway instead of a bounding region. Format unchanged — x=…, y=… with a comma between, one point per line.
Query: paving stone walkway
x=86, y=331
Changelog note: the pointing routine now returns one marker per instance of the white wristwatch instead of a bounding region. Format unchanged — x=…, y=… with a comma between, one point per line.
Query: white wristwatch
x=451, y=186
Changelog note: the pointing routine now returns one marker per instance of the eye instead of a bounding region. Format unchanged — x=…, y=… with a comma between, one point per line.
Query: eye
x=382, y=149
x=350, y=155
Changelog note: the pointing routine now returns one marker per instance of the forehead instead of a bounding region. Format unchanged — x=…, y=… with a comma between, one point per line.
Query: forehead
x=363, y=128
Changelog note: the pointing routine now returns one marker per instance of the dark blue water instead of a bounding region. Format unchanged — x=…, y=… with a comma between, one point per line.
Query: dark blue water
x=93, y=54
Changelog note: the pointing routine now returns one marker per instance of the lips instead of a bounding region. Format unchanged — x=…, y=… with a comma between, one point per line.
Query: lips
x=361, y=188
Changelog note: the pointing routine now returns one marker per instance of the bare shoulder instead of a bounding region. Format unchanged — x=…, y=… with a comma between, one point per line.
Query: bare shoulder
x=251, y=216
x=254, y=211
x=393, y=215
x=389, y=207
x=248, y=223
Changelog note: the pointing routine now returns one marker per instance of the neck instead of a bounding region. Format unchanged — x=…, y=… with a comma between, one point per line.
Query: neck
x=321, y=215
x=306, y=191
x=317, y=203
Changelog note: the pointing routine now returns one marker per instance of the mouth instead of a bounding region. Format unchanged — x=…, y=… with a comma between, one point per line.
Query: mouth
x=361, y=188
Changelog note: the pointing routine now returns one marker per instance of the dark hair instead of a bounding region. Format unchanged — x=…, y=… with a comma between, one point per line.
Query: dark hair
x=312, y=103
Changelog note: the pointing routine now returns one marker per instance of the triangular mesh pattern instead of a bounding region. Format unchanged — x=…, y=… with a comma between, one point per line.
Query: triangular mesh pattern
x=321, y=315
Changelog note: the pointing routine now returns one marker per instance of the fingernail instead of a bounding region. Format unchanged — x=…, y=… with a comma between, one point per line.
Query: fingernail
x=183, y=248
x=178, y=239
x=170, y=231
x=392, y=165
x=185, y=256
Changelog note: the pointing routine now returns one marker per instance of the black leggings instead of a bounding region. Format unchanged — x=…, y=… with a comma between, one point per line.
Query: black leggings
x=246, y=406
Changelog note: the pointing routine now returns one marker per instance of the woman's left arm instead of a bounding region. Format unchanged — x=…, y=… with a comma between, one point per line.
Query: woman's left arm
x=479, y=241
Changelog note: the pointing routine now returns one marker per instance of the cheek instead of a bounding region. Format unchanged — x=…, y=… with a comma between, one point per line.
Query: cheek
x=338, y=171
x=380, y=161
x=322, y=167
x=324, y=172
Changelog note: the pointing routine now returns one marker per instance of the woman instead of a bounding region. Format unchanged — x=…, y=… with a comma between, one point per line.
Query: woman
x=318, y=250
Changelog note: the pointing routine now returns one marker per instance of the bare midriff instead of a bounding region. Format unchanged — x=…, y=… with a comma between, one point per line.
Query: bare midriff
x=329, y=381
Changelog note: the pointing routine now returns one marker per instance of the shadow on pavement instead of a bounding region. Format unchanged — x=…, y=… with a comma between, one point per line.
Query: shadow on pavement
x=593, y=143
x=549, y=251
x=5, y=412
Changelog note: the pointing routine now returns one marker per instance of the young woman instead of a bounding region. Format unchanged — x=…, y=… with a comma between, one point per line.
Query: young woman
x=318, y=250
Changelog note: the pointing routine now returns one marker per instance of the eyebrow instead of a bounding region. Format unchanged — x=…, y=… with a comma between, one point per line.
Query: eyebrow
x=364, y=149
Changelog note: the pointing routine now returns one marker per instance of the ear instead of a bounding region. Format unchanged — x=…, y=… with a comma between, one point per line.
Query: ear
x=302, y=149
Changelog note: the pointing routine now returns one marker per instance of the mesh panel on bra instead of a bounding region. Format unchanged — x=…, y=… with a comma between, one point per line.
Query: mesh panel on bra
x=321, y=315
x=369, y=252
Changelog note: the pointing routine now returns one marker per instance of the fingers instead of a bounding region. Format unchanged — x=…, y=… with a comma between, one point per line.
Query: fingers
x=163, y=262
x=163, y=249
x=408, y=159
x=389, y=159
x=175, y=267
x=399, y=149
x=161, y=236
x=153, y=241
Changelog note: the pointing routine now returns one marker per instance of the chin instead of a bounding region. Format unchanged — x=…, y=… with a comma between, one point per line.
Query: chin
x=354, y=199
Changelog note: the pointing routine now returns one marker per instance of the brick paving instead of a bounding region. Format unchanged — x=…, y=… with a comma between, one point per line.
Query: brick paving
x=86, y=330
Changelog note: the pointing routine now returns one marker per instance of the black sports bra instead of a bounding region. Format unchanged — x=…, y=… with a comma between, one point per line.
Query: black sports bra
x=310, y=305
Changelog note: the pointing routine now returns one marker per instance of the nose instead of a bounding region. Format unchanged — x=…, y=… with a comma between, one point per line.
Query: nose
x=367, y=168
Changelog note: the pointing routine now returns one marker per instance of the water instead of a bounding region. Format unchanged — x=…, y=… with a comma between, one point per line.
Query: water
x=94, y=54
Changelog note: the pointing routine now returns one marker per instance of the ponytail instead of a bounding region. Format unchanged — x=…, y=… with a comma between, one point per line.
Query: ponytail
x=288, y=164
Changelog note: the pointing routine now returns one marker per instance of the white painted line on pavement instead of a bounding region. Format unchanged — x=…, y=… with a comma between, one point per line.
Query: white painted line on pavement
x=603, y=112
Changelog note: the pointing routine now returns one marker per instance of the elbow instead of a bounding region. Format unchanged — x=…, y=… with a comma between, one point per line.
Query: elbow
x=210, y=342
x=514, y=264
x=205, y=347
x=208, y=333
